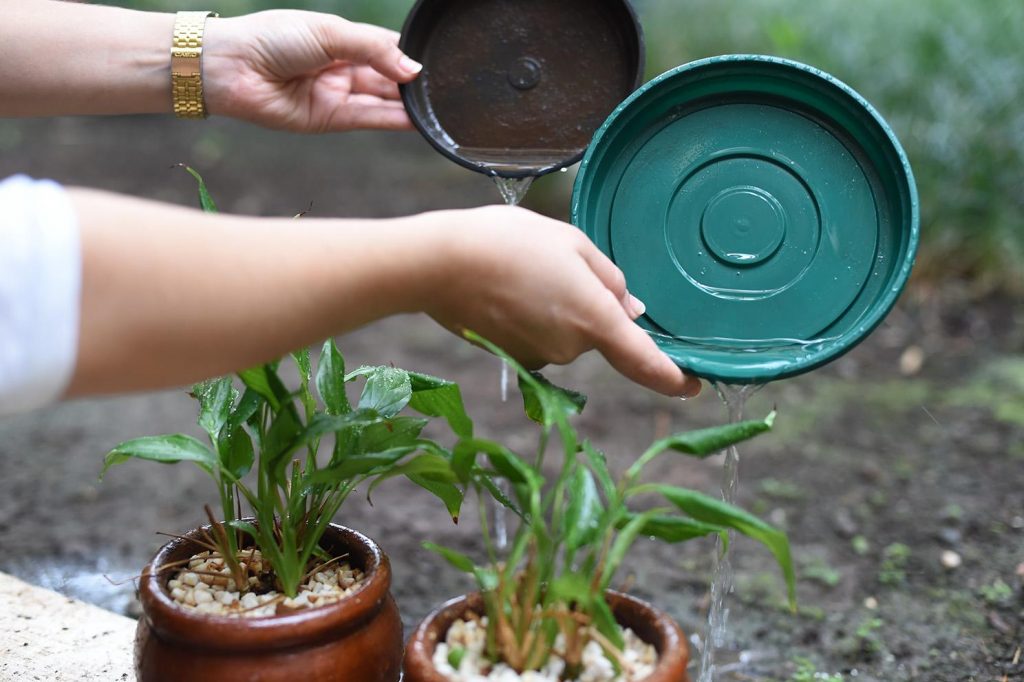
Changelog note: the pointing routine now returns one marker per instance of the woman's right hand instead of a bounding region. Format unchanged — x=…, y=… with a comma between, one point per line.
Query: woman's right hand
x=542, y=291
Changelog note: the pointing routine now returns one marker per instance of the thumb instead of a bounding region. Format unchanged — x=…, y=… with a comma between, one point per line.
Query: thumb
x=372, y=45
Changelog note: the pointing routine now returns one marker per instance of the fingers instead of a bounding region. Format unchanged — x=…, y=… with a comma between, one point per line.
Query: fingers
x=369, y=45
x=369, y=116
x=635, y=355
x=609, y=273
x=365, y=80
x=613, y=278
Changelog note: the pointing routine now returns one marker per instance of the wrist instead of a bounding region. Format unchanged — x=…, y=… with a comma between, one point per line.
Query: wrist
x=139, y=63
x=421, y=259
x=220, y=64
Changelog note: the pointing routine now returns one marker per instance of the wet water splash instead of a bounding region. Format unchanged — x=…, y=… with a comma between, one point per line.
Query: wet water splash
x=735, y=399
x=513, y=190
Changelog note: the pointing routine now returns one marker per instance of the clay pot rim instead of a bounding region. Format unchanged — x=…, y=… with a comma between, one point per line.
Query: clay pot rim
x=670, y=642
x=171, y=621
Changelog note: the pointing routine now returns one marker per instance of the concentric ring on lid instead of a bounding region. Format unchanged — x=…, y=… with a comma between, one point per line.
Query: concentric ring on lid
x=763, y=210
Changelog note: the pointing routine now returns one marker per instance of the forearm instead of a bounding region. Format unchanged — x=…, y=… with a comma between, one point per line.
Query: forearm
x=172, y=295
x=60, y=58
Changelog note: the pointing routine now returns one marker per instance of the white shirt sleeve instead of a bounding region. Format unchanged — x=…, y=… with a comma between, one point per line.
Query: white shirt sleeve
x=40, y=293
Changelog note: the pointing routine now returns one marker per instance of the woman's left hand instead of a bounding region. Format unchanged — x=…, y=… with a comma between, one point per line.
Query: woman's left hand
x=305, y=72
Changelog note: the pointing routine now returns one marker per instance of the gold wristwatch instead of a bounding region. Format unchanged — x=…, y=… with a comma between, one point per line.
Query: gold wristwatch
x=186, y=64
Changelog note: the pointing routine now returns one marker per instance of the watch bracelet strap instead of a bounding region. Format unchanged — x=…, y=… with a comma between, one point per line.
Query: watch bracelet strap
x=186, y=64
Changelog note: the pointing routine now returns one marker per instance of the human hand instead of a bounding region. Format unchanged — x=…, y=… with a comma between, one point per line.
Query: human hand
x=305, y=72
x=542, y=291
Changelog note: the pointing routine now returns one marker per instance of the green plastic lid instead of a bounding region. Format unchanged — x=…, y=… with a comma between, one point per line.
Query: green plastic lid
x=762, y=209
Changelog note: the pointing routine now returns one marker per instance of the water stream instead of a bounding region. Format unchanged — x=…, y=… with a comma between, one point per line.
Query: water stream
x=735, y=399
x=513, y=191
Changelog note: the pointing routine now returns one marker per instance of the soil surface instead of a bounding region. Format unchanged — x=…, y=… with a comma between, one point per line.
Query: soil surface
x=881, y=465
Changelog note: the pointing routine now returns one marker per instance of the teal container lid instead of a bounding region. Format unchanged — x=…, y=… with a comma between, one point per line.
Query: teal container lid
x=762, y=209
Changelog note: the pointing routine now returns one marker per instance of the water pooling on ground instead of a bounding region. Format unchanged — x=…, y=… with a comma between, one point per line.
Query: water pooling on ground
x=513, y=191
x=735, y=399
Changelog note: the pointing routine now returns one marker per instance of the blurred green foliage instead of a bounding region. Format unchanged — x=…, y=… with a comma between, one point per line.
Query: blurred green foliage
x=948, y=75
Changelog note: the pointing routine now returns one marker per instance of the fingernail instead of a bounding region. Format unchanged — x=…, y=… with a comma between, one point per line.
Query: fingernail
x=409, y=65
x=637, y=305
x=693, y=389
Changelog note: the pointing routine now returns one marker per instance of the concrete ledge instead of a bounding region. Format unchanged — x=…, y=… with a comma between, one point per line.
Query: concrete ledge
x=47, y=636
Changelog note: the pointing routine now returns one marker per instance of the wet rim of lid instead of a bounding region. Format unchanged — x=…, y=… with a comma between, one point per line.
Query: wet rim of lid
x=420, y=119
x=763, y=365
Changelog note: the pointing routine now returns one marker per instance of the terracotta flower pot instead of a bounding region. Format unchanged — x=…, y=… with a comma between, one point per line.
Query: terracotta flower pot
x=358, y=639
x=653, y=626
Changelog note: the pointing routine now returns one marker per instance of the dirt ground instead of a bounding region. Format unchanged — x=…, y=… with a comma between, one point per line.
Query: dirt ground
x=879, y=464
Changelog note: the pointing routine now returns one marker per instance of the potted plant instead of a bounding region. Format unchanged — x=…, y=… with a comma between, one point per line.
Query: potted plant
x=282, y=593
x=547, y=606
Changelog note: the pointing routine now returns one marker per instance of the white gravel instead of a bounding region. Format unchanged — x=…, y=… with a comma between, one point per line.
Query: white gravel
x=206, y=586
x=639, y=659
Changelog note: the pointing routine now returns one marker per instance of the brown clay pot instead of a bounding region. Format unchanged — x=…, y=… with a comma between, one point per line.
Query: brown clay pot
x=358, y=639
x=651, y=625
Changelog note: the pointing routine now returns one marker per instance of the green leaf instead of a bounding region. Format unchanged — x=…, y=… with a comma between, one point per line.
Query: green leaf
x=356, y=465
x=486, y=578
x=239, y=456
x=246, y=408
x=496, y=492
x=570, y=588
x=599, y=466
x=390, y=433
x=281, y=440
x=430, y=465
x=244, y=526
x=506, y=462
x=583, y=516
x=449, y=493
x=323, y=424
x=263, y=380
x=215, y=397
x=510, y=466
x=301, y=358
x=673, y=529
x=464, y=459
x=439, y=398
x=387, y=391
x=714, y=511
x=456, y=559
x=205, y=200
x=330, y=379
x=542, y=399
x=703, y=442
x=163, y=449
x=706, y=442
